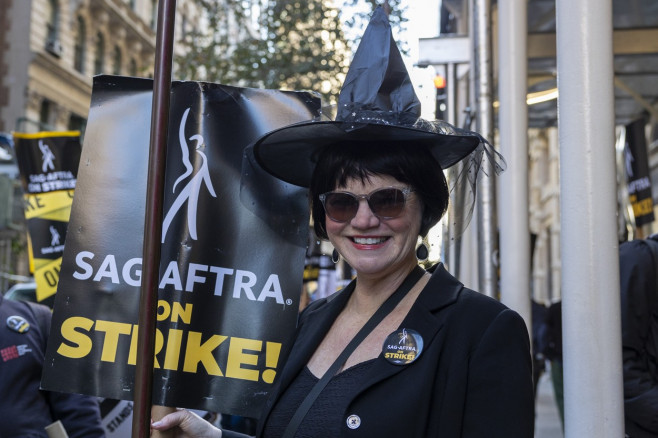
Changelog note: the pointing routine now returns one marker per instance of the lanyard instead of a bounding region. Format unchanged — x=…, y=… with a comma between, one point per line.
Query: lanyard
x=373, y=322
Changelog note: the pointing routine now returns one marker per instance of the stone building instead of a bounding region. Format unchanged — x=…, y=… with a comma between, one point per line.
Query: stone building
x=51, y=49
x=49, y=52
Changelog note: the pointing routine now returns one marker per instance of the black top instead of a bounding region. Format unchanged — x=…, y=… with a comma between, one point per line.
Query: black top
x=325, y=417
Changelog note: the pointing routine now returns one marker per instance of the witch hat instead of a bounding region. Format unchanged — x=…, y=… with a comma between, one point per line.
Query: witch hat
x=377, y=103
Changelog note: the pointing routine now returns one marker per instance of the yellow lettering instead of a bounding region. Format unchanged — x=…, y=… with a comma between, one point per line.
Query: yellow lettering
x=159, y=343
x=172, y=354
x=112, y=332
x=202, y=352
x=81, y=341
x=185, y=314
x=237, y=357
x=197, y=352
x=643, y=207
x=164, y=310
x=176, y=311
x=132, y=355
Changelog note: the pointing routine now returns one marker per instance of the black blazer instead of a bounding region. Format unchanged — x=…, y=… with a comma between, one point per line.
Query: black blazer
x=472, y=379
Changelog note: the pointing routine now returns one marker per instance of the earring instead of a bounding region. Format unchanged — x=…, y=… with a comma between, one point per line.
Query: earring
x=422, y=252
x=335, y=256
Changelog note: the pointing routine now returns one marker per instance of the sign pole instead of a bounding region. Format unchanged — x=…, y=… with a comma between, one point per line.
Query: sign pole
x=153, y=219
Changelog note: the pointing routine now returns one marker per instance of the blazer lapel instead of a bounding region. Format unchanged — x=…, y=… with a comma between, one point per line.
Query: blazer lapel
x=442, y=290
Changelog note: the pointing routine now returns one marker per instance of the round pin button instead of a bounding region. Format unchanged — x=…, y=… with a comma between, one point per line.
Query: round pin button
x=353, y=421
x=18, y=324
x=403, y=346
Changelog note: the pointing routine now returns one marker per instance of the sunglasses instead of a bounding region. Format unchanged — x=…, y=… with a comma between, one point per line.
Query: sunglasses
x=385, y=203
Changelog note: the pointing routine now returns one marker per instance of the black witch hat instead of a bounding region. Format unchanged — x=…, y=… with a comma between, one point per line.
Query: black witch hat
x=377, y=103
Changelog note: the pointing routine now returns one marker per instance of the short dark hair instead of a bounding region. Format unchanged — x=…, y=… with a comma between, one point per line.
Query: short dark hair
x=410, y=164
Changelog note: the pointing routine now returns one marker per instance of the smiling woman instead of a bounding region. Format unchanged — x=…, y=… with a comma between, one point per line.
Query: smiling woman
x=376, y=184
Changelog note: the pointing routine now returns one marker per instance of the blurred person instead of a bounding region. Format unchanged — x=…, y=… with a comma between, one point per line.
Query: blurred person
x=26, y=410
x=399, y=352
x=539, y=311
x=305, y=296
x=638, y=269
x=552, y=349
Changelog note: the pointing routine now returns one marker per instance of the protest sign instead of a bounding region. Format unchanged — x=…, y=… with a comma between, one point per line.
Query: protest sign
x=232, y=259
x=48, y=167
x=637, y=173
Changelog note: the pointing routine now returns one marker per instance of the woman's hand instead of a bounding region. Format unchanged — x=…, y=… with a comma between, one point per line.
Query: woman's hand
x=186, y=424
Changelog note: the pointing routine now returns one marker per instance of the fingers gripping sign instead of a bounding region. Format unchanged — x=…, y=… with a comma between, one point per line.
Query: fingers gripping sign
x=185, y=424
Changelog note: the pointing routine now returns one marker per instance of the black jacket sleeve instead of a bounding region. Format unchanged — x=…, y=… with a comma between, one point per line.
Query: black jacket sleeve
x=79, y=414
x=505, y=390
x=639, y=299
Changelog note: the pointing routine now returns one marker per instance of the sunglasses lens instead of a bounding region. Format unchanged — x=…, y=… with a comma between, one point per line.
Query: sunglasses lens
x=387, y=203
x=384, y=203
x=341, y=207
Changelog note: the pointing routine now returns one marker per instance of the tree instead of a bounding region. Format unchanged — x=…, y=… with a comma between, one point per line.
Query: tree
x=209, y=53
x=358, y=19
x=279, y=44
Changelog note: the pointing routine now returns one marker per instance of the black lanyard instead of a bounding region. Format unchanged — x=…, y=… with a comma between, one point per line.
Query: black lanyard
x=373, y=322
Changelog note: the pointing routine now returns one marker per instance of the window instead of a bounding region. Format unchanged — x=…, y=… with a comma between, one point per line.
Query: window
x=77, y=123
x=80, y=46
x=44, y=114
x=154, y=14
x=52, y=28
x=117, y=61
x=99, y=63
x=133, y=67
x=53, y=20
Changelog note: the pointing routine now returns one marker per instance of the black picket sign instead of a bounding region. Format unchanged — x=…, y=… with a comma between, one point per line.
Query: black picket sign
x=232, y=255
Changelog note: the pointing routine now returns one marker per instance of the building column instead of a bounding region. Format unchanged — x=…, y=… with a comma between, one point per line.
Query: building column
x=513, y=127
x=593, y=395
x=481, y=66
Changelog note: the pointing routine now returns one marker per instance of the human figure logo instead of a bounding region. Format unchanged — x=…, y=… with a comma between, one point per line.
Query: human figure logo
x=403, y=337
x=628, y=161
x=47, y=157
x=54, y=236
x=189, y=193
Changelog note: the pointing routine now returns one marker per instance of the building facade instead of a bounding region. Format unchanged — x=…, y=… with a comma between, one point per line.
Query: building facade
x=50, y=50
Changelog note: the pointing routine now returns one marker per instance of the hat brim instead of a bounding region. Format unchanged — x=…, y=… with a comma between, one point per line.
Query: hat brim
x=290, y=153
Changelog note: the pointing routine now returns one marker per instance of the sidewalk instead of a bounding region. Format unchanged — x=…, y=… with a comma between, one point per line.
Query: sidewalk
x=547, y=420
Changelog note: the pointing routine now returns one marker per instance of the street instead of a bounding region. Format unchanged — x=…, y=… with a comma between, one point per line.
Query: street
x=547, y=421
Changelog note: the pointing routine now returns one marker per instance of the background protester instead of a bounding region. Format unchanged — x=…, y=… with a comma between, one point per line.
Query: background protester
x=552, y=349
x=398, y=343
x=25, y=410
x=539, y=311
x=638, y=269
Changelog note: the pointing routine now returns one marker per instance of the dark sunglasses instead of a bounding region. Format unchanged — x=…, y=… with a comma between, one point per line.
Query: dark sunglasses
x=385, y=203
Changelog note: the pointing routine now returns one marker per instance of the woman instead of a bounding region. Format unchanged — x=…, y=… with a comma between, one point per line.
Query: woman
x=400, y=352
